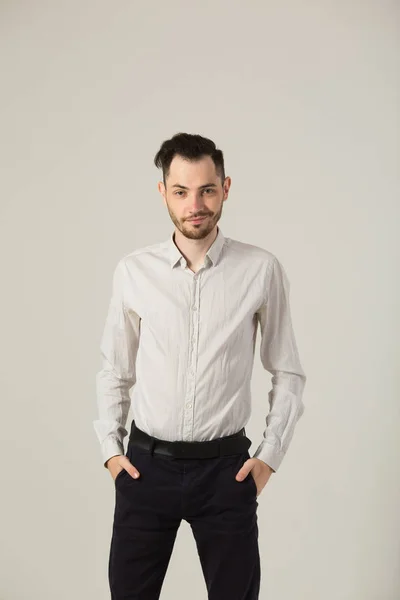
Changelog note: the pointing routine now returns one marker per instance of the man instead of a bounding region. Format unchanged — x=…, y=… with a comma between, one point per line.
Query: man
x=181, y=330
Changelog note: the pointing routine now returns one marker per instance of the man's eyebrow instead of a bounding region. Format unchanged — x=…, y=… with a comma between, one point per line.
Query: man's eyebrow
x=183, y=187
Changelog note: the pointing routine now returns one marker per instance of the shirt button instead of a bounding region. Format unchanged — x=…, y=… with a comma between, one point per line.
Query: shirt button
x=189, y=405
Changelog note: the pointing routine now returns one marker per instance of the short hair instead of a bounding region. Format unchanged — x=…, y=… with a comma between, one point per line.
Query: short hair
x=191, y=147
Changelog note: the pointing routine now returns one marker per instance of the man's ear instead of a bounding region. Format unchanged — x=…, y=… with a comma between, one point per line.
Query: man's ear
x=226, y=186
x=161, y=189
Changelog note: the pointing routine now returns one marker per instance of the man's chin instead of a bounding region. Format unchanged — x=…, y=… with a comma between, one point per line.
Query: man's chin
x=198, y=232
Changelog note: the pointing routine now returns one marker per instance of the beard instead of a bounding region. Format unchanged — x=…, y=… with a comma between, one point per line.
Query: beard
x=196, y=231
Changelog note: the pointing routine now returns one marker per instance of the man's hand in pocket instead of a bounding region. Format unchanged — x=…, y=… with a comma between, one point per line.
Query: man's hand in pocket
x=115, y=464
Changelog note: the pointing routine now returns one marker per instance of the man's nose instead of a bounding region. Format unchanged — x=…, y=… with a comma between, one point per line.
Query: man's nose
x=196, y=203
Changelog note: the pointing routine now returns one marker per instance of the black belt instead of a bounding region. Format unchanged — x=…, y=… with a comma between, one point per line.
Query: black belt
x=224, y=446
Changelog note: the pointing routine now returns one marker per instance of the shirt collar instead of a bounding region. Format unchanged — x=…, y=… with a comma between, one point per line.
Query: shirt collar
x=213, y=253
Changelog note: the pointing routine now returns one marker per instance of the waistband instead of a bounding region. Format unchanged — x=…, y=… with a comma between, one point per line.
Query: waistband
x=235, y=443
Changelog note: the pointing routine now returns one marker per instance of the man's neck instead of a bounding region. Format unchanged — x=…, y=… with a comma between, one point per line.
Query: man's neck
x=194, y=251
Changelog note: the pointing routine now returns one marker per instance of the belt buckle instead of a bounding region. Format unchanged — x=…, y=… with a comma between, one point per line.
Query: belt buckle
x=188, y=449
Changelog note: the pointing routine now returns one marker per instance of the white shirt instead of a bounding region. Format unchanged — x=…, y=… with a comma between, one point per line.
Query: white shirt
x=184, y=342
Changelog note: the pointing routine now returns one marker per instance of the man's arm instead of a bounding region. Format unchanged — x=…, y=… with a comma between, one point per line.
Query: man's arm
x=279, y=356
x=119, y=345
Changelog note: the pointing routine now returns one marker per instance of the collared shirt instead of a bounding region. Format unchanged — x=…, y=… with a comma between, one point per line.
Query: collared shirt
x=179, y=347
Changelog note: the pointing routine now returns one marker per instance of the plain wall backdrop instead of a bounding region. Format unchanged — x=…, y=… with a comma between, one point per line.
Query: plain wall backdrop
x=303, y=98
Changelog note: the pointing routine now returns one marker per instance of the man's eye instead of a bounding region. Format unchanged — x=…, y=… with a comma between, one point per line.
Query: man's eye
x=209, y=190
x=178, y=192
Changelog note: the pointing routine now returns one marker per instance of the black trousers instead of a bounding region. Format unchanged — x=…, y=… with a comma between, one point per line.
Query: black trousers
x=221, y=511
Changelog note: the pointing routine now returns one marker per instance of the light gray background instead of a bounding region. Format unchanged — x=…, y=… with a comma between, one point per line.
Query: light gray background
x=303, y=99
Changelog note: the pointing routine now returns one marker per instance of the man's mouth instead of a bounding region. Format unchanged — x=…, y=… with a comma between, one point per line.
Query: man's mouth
x=197, y=219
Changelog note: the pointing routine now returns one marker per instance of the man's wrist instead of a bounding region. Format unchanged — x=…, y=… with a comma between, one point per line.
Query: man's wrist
x=108, y=459
x=263, y=461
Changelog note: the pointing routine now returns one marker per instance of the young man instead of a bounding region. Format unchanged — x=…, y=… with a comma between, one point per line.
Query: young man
x=181, y=330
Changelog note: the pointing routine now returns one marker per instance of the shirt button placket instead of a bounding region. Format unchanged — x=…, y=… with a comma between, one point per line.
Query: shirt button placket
x=194, y=327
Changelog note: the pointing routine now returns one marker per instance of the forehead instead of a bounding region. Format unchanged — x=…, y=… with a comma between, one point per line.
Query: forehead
x=192, y=173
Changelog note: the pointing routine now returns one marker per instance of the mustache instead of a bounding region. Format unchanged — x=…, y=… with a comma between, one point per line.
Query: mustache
x=197, y=216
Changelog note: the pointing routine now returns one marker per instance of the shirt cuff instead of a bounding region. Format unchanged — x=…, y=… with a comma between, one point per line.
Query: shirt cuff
x=270, y=455
x=111, y=447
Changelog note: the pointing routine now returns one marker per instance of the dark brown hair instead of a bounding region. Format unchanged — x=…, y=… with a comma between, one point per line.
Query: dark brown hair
x=189, y=146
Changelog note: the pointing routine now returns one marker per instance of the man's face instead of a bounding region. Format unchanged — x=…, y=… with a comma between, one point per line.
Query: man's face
x=193, y=189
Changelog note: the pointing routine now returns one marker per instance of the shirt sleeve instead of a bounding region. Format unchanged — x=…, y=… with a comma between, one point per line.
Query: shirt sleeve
x=279, y=355
x=118, y=346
